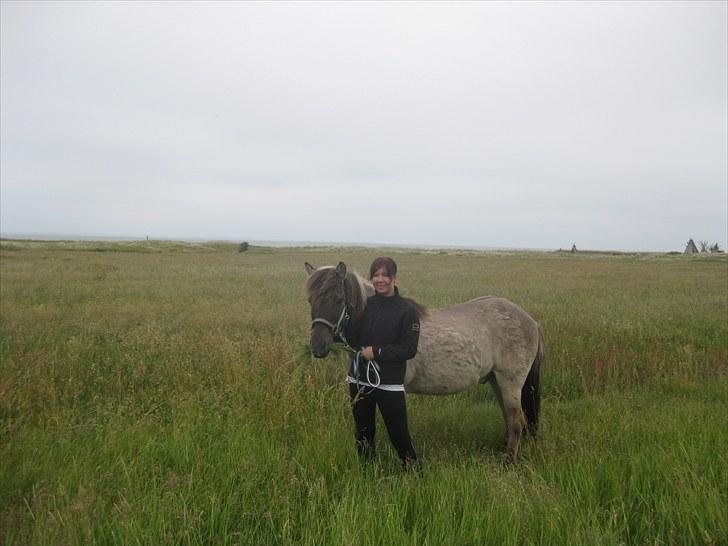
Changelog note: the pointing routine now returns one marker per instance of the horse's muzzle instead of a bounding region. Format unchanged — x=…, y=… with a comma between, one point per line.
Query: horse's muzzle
x=321, y=340
x=320, y=348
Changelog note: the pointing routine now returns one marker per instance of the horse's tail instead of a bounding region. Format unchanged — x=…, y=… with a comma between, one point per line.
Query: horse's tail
x=531, y=393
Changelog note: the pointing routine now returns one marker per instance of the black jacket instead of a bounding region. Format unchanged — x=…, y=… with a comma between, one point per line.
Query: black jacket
x=390, y=324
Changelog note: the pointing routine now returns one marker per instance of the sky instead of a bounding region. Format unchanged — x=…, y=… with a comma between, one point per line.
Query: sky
x=526, y=125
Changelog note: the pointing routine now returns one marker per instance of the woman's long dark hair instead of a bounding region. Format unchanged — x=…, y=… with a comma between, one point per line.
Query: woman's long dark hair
x=390, y=268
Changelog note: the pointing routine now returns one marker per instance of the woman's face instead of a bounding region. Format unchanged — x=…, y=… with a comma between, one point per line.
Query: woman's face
x=383, y=283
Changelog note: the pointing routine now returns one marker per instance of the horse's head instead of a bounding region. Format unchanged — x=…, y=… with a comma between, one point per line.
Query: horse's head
x=326, y=288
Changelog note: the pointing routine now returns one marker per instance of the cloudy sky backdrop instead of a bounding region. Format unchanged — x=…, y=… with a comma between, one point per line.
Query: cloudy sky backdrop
x=531, y=125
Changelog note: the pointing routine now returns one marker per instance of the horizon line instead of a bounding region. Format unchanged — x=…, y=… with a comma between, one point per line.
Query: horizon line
x=298, y=243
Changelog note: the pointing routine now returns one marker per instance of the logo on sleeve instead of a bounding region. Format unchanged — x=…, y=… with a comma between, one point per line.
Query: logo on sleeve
x=415, y=327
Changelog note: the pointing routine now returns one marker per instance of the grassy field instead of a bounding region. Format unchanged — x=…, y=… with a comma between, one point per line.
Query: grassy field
x=154, y=393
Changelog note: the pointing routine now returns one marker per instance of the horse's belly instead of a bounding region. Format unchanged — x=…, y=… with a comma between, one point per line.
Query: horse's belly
x=450, y=380
x=446, y=365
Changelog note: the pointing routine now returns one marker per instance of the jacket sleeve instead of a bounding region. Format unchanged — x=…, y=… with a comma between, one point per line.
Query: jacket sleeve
x=406, y=346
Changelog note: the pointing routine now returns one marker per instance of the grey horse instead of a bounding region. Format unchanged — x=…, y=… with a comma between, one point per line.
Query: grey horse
x=484, y=340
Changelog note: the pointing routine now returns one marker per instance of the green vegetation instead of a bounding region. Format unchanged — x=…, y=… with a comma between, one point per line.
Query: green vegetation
x=155, y=393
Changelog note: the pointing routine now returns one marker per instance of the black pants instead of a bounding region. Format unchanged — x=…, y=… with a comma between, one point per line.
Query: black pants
x=394, y=413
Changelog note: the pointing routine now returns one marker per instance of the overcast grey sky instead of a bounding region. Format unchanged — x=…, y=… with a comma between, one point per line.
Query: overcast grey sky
x=529, y=125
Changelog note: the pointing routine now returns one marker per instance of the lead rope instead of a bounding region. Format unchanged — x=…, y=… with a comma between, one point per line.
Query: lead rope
x=372, y=367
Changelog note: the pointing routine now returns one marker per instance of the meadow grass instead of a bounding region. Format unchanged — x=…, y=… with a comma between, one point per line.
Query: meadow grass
x=159, y=394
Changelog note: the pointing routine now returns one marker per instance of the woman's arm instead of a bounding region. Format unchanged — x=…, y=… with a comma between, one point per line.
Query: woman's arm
x=406, y=346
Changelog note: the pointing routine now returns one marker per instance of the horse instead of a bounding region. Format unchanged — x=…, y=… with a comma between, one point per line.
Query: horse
x=485, y=340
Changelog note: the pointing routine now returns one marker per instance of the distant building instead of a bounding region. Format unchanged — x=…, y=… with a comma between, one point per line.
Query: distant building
x=690, y=248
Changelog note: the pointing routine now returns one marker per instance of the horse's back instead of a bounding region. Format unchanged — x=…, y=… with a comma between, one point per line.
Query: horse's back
x=492, y=312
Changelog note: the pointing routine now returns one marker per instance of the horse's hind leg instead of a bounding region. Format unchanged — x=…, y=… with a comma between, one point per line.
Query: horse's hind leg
x=510, y=397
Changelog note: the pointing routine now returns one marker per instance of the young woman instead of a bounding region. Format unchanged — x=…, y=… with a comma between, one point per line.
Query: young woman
x=386, y=335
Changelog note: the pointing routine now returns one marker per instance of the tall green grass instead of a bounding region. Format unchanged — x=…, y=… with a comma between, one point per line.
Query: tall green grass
x=160, y=397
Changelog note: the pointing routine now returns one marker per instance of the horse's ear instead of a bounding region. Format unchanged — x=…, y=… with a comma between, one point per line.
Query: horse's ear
x=309, y=268
x=341, y=270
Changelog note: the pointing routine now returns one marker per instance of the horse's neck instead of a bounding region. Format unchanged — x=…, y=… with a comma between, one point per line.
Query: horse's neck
x=361, y=289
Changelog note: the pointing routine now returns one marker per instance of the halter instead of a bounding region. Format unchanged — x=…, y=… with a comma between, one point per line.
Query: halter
x=340, y=326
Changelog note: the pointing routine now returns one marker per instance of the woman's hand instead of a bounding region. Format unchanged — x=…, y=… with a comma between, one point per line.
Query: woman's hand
x=368, y=353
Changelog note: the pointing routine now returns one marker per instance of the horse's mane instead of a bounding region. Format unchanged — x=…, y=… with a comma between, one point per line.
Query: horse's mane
x=420, y=309
x=322, y=284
